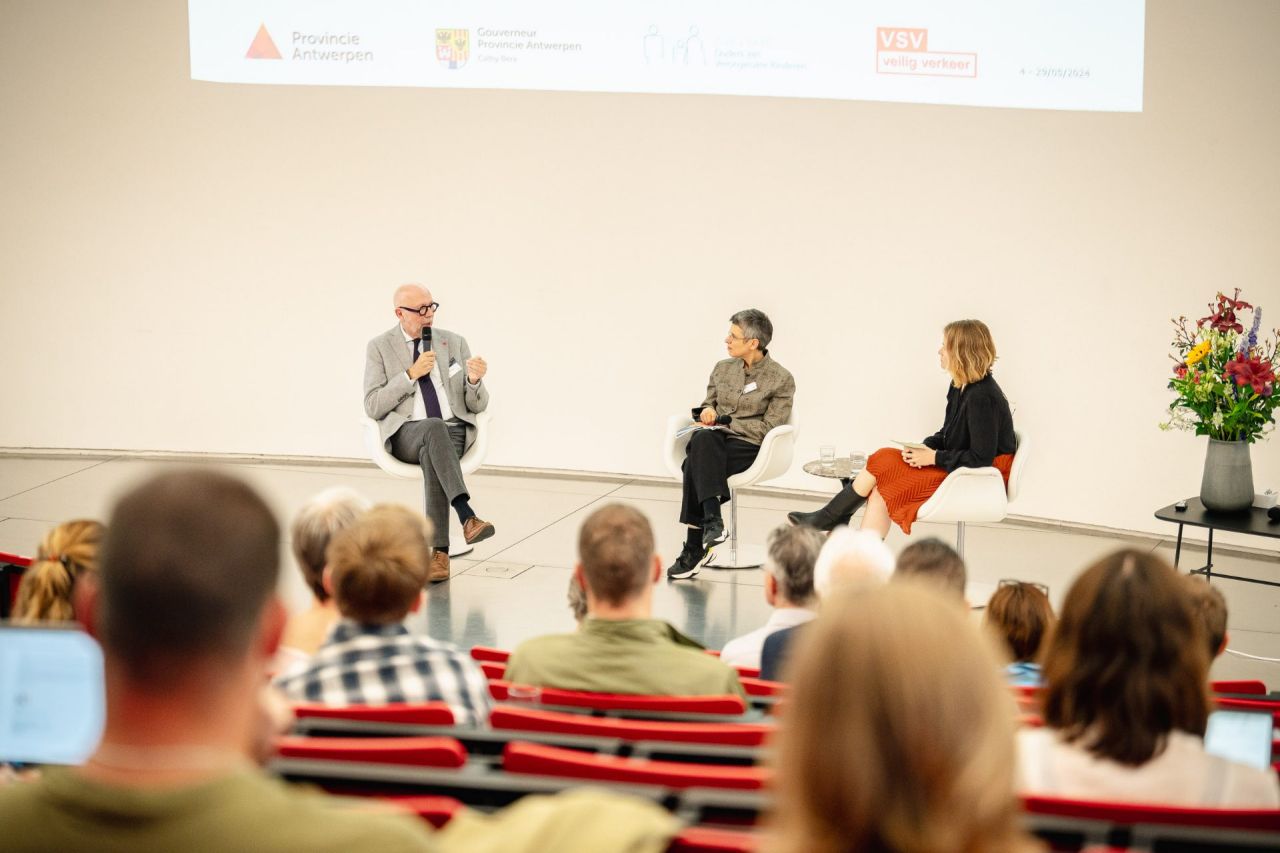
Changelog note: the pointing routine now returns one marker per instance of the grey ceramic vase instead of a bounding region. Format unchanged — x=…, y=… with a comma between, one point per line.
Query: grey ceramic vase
x=1227, y=485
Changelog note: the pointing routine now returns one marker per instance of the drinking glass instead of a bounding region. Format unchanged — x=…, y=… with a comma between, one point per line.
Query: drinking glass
x=827, y=454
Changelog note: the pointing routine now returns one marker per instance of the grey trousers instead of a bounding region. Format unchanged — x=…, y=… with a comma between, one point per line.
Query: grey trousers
x=437, y=446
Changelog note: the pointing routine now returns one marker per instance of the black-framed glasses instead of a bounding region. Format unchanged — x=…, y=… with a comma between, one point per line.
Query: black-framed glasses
x=423, y=311
x=1016, y=582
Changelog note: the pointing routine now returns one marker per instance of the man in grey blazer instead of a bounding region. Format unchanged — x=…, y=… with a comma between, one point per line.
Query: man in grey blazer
x=425, y=403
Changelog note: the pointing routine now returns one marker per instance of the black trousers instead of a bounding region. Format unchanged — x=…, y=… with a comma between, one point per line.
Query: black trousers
x=711, y=458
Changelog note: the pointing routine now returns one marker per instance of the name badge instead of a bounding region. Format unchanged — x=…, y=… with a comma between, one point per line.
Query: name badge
x=454, y=369
x=751, y=386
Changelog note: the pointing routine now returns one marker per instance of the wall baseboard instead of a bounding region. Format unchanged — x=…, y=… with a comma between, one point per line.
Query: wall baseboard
x=1193, y=538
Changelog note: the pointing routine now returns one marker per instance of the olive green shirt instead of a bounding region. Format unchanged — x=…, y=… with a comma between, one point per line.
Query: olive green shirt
x=756, y=399
x=245, y=810
x=637, y=656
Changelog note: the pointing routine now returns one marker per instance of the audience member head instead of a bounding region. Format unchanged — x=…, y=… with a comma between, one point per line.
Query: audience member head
x=66, y=552
x=577, y=598
x=616, y=563
x=968, y=351
x=1127, y=662
x=788, y=565
x=1021, y=615
x=898, y=733
x=316, y=523
x=851, y=557
x=189, y=566
x=933, y=561
x=1211, y=608
x=378, y=565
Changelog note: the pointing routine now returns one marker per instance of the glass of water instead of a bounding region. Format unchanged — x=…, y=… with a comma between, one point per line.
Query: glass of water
x=827, y=455
x=857, y=460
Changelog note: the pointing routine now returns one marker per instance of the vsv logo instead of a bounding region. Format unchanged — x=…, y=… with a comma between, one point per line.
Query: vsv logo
x=898, y=38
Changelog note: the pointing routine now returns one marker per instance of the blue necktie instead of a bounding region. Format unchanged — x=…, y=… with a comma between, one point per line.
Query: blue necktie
x=424, y=384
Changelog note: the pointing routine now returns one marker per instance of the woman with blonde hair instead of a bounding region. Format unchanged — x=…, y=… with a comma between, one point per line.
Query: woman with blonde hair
x=897, y=734
x=977, y=431
x=65, y=554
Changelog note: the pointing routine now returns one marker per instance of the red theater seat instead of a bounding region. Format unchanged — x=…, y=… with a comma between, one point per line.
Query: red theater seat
x=706, y=839
x=728, y=704
x=1247, y=686
x=506, y=718
x=760, y=687
x=1272, y=706
x=1128, y=814
x=410, y=713
x=413, y=751
x=540, y=760
x=485, y=653
x=435, y=810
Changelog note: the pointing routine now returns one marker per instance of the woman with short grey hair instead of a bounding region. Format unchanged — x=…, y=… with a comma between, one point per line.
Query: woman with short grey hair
x=748, y=394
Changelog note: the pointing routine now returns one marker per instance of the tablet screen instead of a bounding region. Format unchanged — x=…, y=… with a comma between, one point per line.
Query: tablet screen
x=51, y=694
x=1243, y=736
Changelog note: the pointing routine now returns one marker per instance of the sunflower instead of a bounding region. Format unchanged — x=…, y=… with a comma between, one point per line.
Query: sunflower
x=1198, y=352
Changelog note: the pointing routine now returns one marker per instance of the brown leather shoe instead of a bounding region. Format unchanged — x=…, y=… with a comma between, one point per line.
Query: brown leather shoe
x=439, y=566
x=476, y=530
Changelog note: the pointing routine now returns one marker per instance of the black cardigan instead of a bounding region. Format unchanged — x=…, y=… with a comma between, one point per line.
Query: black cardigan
x=977, y=428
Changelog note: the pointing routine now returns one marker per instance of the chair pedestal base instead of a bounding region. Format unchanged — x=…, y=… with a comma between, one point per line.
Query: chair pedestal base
x=741, y=556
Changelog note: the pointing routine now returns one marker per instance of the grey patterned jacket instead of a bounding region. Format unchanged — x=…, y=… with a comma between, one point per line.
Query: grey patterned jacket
x=750, y=413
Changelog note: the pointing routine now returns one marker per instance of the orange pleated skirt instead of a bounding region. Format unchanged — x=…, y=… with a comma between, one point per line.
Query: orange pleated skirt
x=905, y=489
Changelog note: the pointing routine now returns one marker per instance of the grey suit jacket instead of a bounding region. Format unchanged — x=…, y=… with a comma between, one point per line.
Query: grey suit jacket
x=389, y=392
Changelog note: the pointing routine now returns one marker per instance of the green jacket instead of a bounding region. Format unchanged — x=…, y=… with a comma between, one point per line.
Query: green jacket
x=643, y=656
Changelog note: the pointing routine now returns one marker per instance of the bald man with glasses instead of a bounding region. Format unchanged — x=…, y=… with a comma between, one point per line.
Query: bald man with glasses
x=425, y=400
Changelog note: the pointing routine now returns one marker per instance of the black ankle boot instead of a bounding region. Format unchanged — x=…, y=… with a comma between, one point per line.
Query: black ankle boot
x=839, y=510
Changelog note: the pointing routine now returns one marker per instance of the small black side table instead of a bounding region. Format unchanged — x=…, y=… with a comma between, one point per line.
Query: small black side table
x=1254, y=523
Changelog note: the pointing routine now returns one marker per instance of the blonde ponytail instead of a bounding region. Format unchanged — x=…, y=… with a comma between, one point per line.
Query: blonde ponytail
x=66, y=552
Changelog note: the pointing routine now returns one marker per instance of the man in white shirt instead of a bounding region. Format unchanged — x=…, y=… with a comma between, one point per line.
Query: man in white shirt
x=424, y=389
x=788, y=587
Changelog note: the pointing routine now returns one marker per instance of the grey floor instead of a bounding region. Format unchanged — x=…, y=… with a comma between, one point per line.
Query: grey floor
x=513, y=586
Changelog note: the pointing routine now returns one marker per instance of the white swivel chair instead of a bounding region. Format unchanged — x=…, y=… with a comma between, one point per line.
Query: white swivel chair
x=774, y=459
x=975, y=495
x=471, y=460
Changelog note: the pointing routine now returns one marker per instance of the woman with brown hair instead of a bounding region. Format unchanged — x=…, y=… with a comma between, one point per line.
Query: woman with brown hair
x=897, y=734
x=977, y=431
x=1126, y=698
x=66, y=553
x=1021, y=615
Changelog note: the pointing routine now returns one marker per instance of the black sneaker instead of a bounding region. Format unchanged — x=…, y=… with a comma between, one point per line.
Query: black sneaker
x=686, y=565
x=713, y=533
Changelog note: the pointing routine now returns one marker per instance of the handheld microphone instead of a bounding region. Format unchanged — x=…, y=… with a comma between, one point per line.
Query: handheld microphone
x=426, y=338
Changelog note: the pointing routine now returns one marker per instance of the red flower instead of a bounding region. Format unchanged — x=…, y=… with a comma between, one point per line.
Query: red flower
x=1223, y=318
x=1180, y=371
x=1254, y=372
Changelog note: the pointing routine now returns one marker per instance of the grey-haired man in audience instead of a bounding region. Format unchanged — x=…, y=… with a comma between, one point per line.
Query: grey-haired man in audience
x=788, y=588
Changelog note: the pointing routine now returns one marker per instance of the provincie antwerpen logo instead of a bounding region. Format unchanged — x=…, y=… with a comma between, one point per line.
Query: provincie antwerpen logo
x=262, y=47
x=341, y=47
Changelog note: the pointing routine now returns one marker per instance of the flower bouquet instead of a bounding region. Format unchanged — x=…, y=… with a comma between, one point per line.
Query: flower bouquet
x=1224, y=379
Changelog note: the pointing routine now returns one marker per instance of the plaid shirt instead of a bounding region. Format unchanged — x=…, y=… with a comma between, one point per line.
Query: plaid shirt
x=385, y=664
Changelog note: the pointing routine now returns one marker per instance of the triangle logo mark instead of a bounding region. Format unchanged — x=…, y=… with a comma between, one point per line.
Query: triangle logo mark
x=263, y=47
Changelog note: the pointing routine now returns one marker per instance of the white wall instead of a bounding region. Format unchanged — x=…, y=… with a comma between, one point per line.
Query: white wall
x=197, y=267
